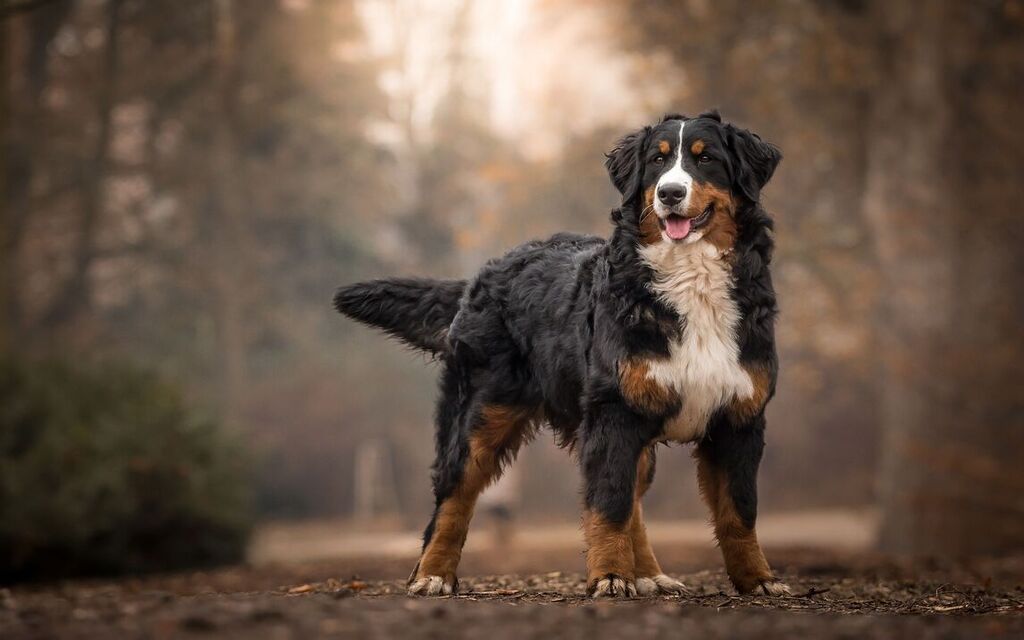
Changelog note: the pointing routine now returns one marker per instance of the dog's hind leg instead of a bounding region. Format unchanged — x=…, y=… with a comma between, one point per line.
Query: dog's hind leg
x=727, y=462
x=650, y=580
x=472, y=450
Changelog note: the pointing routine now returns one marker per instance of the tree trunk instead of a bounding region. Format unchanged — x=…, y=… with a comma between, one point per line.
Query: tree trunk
x=21, y=144
x=950, y=475
x=227, y=229
x=6, y=282
x=76, y=294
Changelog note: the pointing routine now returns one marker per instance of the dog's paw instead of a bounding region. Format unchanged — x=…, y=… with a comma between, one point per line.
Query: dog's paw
x=433, y=586
x=772, y=588
x=660, y=584
x=612, y=586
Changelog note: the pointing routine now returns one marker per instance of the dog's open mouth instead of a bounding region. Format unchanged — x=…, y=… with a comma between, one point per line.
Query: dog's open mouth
x=678, y=227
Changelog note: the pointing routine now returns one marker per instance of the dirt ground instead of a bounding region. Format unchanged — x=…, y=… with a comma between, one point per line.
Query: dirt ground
x=836, y=595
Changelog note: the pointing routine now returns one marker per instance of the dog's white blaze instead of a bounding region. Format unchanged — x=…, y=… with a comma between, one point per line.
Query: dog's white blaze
x=703, y=367
x=675, y=175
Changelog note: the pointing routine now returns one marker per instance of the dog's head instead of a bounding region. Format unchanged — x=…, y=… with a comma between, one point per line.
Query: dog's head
x=684, y=179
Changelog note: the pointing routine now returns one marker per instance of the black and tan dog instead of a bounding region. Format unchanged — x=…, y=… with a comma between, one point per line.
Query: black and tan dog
x=664, y=332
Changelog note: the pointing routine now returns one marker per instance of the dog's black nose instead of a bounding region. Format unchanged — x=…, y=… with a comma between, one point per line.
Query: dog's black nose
x=671, y=194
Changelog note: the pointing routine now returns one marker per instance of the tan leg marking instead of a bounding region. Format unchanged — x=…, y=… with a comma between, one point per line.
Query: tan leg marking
x=609, y=556
x=747, y=408
x=641, y=392
x=744, y=561
x=501, y=432
x=650, y=580
x=646, y=565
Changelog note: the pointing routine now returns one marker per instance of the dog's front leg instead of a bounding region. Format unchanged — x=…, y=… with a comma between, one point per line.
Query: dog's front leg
x=727, y=462
x=612, y=442
x=649, y=578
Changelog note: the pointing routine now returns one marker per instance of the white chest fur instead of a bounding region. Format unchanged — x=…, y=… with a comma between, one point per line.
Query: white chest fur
x=703, y=368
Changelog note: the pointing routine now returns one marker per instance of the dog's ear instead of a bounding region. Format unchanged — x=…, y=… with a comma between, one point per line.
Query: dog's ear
x=625, y=164
x=754, y=160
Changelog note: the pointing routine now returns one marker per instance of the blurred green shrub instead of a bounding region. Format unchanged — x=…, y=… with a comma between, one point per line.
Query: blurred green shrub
x=104, y=470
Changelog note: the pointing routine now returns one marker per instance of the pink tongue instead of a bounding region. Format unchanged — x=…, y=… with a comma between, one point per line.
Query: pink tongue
x=677, y=227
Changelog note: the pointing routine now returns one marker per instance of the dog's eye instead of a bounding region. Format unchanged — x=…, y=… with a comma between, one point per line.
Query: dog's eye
x=659, y=160
x=704, y=158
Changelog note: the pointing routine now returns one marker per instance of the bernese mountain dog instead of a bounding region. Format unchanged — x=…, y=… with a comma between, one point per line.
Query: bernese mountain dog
x=663, y=332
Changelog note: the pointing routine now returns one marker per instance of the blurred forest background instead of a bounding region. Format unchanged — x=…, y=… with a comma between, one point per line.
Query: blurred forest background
x=185, y=183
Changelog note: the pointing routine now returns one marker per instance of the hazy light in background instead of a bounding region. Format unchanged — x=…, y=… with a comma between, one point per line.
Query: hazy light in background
x=543, y=72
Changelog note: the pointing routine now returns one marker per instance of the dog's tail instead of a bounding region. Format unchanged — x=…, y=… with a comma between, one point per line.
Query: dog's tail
x=417, y=311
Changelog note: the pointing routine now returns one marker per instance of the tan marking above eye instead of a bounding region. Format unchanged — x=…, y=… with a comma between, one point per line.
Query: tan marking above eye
x=697, y=147
x=664, y=146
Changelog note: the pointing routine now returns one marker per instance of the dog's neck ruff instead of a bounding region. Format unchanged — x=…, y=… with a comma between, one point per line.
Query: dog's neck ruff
x=703, y=367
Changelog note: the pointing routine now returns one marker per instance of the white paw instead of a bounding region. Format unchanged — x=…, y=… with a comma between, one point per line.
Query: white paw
x=646, y=586
x=613, y=587
x=669, y=585
x=431, y=586
x=659, y=584
x=772, y=588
